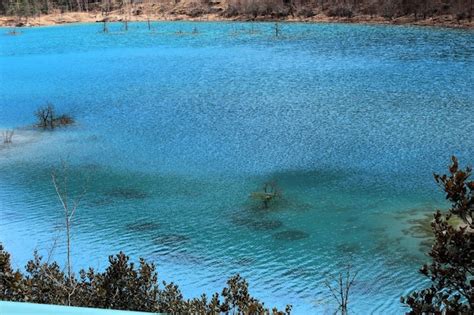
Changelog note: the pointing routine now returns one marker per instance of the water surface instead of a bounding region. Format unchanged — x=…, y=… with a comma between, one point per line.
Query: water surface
x=176, y=130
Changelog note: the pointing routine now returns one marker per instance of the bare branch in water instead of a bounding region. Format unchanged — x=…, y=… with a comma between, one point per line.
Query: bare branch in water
x=341, y=291
x=69, y=209
x=7, y=136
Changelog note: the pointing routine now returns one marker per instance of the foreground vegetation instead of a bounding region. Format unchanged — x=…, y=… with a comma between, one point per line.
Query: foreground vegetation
x=451, y=270
x=454, y=10
x=121, y=286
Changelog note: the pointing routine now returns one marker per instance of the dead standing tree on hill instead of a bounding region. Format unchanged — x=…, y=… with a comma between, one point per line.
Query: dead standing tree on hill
x=126, y=10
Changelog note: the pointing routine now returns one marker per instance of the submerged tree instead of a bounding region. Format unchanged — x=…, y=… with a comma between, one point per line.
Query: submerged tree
x=7, y=136
x=269, y=194
x=47, y=118
x=106, y=8
x=277, y=29
x=452, y=268
x=126, y=8
x=148, y=23
x=342, y=288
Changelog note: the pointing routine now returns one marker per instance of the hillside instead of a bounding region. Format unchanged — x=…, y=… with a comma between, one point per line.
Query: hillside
x=457, y=13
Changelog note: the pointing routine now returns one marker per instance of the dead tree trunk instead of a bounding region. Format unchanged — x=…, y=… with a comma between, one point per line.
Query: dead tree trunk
x=8, y=136
x=341, y=291
x=69, y=209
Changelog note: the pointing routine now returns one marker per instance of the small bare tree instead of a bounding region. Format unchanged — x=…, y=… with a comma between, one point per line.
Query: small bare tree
x=45, y=116
x=341, y=289
x=149, y=9
x=7, y=136
x=105, y=28
x=277, y=29
x=69, y=208
x=105, y=10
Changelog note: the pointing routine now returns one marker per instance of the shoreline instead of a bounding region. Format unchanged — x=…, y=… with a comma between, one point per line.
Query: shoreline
x=83, y=18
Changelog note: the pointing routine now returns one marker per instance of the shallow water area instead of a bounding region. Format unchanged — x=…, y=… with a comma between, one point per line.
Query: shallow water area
x=176, y=130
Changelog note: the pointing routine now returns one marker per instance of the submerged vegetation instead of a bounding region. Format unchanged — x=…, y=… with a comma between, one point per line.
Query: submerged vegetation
x=7, y=136
x=127, y=193
x=269, y=194
x=142, y=226
x=13, y=32
x=290, y=235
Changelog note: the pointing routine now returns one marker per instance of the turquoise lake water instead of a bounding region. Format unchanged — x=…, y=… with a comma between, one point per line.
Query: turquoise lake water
x=175, y=131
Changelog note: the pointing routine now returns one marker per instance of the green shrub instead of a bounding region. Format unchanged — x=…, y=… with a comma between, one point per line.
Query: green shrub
x=452, y=253
x=122, y=286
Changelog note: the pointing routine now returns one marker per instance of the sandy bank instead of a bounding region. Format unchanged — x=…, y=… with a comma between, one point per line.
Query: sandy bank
x=84, y=17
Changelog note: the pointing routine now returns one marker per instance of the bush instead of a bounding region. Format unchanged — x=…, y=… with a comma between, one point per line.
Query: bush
x=452, y=254
x=121, y=286
x=252, y=9
x=389, y=10
x=461, y=16
x=232, y=10
x=279, y=11
x=305, y=12
x=47, y=118
x=340, y=12
x=12, y=286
